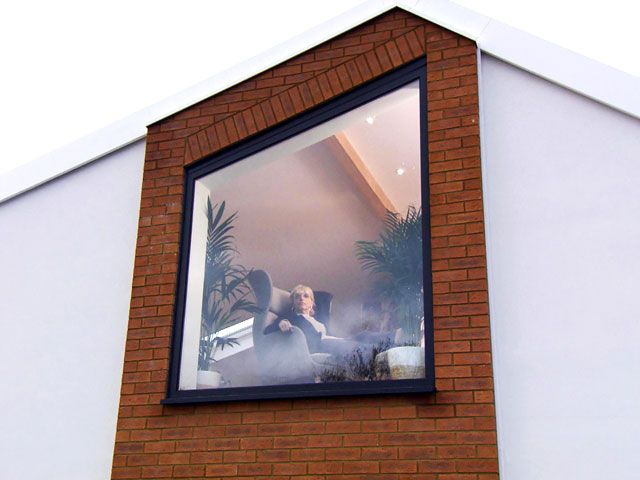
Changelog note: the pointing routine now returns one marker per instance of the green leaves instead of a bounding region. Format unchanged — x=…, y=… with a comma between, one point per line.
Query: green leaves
x=395, y=263
x=225, y=301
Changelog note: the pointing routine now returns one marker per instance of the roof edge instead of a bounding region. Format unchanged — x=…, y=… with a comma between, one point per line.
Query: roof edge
x=133, y=127
x=547, y=60
x=563, y=67
x=539, y=57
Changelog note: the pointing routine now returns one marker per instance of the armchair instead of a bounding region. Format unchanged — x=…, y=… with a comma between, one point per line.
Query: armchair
x=284, y=358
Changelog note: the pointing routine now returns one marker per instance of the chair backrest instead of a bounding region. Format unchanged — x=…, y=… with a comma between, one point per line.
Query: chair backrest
x=274, y=300
x=282, y=358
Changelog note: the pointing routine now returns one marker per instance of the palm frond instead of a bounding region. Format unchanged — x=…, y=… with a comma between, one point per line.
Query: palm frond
x=225, y=301
x=394, y=261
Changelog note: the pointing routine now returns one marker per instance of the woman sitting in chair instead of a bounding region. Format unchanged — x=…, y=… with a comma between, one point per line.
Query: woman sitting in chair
x=301, y=316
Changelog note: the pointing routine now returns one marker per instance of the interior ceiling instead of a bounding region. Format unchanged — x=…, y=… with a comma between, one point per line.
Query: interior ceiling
x=390, y=143
x=384, y=135
x=303, y=203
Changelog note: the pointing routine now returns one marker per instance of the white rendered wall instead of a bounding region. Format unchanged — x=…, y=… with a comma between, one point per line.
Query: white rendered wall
x=66, y=266
x=561, y=185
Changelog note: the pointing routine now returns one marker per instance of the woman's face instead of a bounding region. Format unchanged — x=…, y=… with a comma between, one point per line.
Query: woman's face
x=302, y=301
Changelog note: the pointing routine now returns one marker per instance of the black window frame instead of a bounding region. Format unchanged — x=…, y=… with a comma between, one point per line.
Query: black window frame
x=415, y=70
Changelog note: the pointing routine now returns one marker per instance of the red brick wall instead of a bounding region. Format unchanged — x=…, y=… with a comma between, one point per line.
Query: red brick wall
x=447, y=435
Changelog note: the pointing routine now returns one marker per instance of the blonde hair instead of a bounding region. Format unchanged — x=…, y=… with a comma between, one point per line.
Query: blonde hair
x=300, y=289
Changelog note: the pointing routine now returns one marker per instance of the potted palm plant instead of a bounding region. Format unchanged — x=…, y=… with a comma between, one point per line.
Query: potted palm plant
x=394, y=262
x=225, y=301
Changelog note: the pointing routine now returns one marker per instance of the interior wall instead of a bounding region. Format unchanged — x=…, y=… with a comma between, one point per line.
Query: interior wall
x=67, y=260
x=298, y=219
x=560, y=179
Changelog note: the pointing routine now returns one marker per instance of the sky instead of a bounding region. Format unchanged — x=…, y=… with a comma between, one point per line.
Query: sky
x=71, y=67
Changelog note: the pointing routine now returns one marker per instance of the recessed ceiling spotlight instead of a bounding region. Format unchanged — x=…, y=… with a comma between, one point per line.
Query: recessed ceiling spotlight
x=370, y=120
x=400, y=171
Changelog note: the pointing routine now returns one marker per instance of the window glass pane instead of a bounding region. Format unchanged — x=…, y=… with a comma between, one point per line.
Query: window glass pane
x=306, y=258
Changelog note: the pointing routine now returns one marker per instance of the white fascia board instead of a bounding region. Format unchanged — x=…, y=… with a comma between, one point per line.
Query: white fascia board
x=592, y=79
x=274, y=56
x=70, y=157
x=563, y=67
x=597, y=81
x=133, y=127
x=449, y=15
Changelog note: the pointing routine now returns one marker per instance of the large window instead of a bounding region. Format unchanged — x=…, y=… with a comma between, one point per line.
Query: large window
x=305, y=265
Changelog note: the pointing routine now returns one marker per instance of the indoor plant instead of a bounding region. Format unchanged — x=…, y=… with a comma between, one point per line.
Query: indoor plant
x=395, y=262
x=225, y=300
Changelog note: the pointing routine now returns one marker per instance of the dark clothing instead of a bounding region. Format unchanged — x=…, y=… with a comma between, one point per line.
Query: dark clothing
x=339, y=347
x=314, y=337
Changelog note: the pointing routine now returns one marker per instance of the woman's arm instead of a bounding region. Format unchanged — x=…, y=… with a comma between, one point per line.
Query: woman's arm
x=280, y=323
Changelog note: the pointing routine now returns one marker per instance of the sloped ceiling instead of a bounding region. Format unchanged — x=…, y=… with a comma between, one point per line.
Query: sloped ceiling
x=300, y=211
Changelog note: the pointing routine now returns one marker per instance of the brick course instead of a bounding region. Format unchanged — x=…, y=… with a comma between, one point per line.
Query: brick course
x=447, y=435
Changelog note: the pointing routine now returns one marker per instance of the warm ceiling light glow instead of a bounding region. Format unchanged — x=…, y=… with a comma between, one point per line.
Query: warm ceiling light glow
x=370, y=120
x=400, y=171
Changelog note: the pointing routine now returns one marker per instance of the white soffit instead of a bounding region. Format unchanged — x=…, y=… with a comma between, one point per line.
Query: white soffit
x=563, y=67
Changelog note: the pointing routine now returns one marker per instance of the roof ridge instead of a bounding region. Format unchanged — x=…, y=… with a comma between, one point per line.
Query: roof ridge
x=528, y=52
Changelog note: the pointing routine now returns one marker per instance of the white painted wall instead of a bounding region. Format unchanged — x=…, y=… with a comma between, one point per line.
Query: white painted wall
x=562, y=202
x=561, y=176
x=66, y=266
